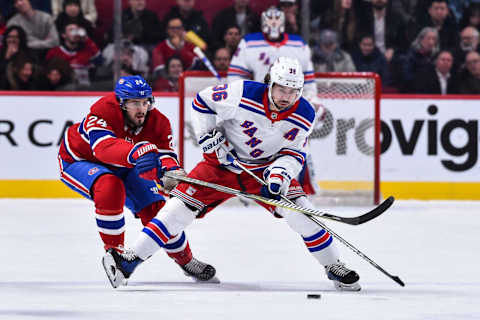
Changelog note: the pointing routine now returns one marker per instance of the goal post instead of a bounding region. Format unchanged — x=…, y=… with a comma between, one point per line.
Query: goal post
x=344, y=146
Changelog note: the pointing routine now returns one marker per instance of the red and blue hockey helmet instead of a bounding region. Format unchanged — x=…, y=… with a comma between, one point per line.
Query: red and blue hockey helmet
x=133, y=87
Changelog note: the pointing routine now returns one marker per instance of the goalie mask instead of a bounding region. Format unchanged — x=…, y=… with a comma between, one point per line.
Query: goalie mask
x=286, y=72
x=273, y=23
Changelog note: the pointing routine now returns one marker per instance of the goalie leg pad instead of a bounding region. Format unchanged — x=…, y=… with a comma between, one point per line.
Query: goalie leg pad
x=109, y=198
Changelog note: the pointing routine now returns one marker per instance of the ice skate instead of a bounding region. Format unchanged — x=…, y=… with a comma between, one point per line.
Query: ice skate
x=200, y=271
x=119, y=265
x=343, y=278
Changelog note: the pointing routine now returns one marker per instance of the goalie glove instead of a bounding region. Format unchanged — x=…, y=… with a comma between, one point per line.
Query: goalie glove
x=278, y=182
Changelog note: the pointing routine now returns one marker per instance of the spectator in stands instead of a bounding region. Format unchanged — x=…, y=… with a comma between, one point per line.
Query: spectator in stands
x=169, y=83
x=290, y=9
x=420, y=56
x=14, y=42
x=58, y=76
x=328, y=57
x=88, y=9
x=72, y=13
x=143, y=23
x=469, y=41
x=192, y=19
x=439, y=79
x=221, y=60
x=405, y=8
x=240, y=14
x=341, y=18
x=368, y=58
x=231, y=38
x=471, y=16
x=470, y=77
x=440, y=19
x=131, y=56
x=386, y=25
x=21, y=74
x=81, y=52
x=173, y=45
x=458, y=7
x=39, y=26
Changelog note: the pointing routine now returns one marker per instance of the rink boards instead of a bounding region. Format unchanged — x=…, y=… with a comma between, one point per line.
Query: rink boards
x=429, y=145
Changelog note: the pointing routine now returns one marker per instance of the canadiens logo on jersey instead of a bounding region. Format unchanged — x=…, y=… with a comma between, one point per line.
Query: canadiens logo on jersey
x=92, y=171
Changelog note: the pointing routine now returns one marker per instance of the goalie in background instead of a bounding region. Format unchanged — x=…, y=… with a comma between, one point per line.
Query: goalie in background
x=256, y=53
x=115, y=157
x=265, y=127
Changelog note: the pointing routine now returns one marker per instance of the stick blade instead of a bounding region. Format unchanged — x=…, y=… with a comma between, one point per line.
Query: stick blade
x=398, y=280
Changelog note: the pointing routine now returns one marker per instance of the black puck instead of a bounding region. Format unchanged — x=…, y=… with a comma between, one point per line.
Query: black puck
x=313, y=296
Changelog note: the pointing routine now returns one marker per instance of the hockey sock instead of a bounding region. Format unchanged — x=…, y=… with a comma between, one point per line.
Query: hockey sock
x=172, y=220
x=109, y=197
x=318, y=241
x=182, y=255
x=150, y=211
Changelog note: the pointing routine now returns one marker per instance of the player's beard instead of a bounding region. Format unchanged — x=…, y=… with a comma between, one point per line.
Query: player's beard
x=282, y=105
x=137, y=121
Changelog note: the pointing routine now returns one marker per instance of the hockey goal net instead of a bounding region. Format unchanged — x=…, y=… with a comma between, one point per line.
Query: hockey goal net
x=344, y=146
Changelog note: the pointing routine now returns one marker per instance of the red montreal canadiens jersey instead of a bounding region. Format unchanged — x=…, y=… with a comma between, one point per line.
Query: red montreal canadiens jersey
x=102, y=136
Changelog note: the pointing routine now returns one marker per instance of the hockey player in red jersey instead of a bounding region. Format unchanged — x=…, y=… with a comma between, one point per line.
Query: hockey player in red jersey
x=115, y=157
x=265, y=128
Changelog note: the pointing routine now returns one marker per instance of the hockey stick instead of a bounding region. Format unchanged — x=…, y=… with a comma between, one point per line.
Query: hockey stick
x=372, y=214
x=319, y=223
x=375, y=212
x=287, y=205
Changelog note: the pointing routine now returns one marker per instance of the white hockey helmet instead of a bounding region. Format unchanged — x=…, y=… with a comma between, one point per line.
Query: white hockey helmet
x=286, y=72
x=273, y=22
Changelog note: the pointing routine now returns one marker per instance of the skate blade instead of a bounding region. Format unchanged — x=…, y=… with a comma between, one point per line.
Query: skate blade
x=347, y=287
x=214, y=279
x=114, y=275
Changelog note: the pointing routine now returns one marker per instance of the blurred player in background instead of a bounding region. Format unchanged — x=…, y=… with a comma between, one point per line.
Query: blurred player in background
x=264, y=127
x=115, y=156
x=257, y=51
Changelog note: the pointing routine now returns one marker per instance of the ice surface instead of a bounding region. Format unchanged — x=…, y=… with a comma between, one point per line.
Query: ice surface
x=50, y=266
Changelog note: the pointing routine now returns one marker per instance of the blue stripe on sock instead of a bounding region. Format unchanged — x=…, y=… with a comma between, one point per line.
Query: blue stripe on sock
x=112, y=225
x=176, y=244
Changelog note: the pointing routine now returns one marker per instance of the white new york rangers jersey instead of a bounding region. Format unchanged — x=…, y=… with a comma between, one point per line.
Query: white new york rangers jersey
x=255, y=54
x=259, y=136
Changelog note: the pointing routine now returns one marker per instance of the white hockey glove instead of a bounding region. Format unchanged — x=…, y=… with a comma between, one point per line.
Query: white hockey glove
x=211, y=141
x=214, y=143
x=278, y=182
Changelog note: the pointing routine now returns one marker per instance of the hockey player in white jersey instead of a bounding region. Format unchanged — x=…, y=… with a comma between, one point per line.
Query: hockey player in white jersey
x=257, y=51
x=263, y=126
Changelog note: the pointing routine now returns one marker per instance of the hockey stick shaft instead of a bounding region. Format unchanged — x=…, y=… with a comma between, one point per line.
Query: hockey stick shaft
x=277, y=203
x=358, y=252
x=319, y=223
